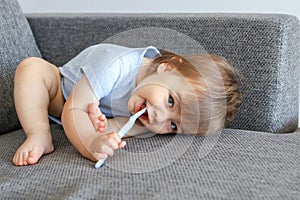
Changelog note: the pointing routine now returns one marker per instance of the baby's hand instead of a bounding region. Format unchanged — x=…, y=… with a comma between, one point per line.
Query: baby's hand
x=98, y=119
x=105, y=144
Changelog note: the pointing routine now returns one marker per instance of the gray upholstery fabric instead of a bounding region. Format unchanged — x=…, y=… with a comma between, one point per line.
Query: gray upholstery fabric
x=233, y=164
x=241, y=165
x=263, y=48
x=17, y=43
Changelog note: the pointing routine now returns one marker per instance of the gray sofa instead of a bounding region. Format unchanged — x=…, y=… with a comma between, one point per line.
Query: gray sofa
x=256, y=157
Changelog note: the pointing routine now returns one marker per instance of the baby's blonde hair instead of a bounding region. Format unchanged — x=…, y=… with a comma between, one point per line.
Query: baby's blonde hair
x=214, y=98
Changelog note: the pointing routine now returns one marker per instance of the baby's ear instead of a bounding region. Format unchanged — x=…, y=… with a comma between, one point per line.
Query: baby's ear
x=164, y=67
x=177, y=59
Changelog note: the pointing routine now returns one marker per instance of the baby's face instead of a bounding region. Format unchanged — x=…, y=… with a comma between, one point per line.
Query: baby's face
x=160, y=94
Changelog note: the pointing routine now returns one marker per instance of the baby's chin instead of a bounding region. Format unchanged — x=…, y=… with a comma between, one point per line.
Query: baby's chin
x=131, y=110
x=139, y=122
x=142, y=123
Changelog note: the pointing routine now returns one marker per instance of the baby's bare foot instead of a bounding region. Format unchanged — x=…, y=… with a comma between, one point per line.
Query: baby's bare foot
x=98, y=119
x=32, y=149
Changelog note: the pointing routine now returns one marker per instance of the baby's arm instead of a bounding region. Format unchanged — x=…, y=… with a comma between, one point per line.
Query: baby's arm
x=79, y=128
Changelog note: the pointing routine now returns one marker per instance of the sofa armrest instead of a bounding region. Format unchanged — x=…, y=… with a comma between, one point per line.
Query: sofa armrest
x=264, y=48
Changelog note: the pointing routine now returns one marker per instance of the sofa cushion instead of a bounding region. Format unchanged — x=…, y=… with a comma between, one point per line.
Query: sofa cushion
x=17, y=42
x=235, y=165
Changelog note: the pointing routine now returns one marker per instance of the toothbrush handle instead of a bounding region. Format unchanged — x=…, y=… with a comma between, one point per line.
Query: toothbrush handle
x=99, y=163
x=124, y=130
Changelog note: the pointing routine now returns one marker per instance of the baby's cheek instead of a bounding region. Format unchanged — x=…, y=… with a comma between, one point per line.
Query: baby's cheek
x=157, y=128
x=131, y=105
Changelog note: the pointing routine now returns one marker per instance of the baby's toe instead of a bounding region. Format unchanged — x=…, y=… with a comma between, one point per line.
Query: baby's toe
x=24, y=158
x=16, y=159
x=34, y=155
x=20, y=158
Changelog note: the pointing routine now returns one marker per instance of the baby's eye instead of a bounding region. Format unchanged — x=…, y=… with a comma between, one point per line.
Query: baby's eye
x=173, y=126
x=171, y=101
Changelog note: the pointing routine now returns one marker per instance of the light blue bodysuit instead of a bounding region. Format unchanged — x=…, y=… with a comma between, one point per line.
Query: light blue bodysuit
x=110, y=70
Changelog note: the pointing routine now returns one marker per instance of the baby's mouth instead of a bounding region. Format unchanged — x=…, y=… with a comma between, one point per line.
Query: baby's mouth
x=145, y=114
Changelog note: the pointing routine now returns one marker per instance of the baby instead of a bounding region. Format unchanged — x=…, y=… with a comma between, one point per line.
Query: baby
x=95, y=93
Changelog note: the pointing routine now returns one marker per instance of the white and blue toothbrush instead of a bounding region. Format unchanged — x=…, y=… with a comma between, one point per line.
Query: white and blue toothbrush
x=123, y=131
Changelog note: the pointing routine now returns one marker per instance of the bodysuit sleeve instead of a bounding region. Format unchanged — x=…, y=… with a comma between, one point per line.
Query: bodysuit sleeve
x=103, y=65
x=103, y=68
x=99, y=63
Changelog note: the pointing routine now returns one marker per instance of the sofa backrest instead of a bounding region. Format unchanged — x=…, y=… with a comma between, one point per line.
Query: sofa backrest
x=264, y=48
x=16, y=43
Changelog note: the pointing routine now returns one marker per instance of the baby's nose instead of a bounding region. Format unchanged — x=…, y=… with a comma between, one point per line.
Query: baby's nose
x=159, y=114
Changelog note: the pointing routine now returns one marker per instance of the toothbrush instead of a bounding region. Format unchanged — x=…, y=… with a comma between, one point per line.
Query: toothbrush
x=123, y=131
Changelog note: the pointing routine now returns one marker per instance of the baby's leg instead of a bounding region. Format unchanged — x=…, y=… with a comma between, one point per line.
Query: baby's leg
x=98, y=119
x=37, y=92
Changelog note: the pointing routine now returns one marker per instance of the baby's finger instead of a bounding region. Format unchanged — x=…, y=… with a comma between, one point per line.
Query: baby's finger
x=93, y=116
x=95, y=123
x=115, y=136
x=122, y=144
x=101, y=117
x=101, y=123
x=94, y=109
x=112, y=143
x=100, y=156
x=107, y=149
x=101, y=130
